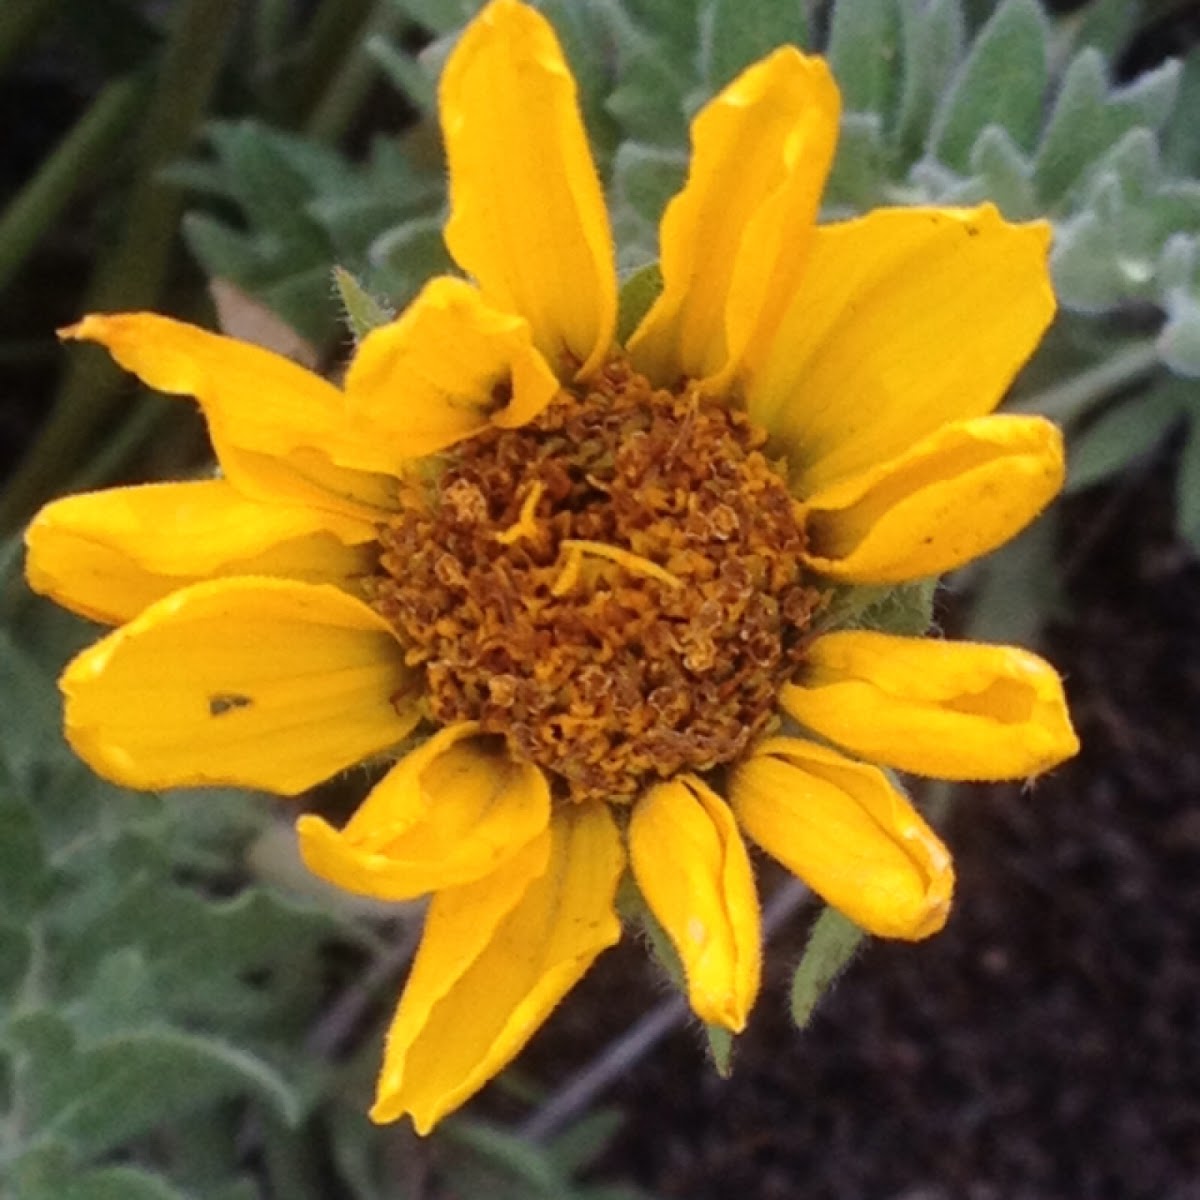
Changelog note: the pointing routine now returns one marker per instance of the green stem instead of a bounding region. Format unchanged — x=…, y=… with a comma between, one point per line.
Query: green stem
x=36, y=206
x=132, y=275
x=348, y=88
x=1066, y=401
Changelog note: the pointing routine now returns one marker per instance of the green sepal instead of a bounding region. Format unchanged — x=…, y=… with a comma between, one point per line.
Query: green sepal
x=905, y=609
x=832, y=943
x=638, y=292
x=633, y=908
x=363, y=312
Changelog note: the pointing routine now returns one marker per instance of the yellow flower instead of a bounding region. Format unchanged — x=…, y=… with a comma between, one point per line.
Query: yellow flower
x=592, y=576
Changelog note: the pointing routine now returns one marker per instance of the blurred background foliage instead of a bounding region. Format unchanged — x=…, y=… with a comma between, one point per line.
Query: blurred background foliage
x=182, y=1012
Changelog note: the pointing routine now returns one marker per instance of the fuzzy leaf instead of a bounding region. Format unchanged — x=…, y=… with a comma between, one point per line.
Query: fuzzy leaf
x=932, y=37
x=832, y=943
x=863, y=41
x=1004, y=174
x=858, y=167
x=1001, y=83
x=99, y=1095
x=1086, y=120
x=735, y=33
x=1122, y=435
x=1179, y=341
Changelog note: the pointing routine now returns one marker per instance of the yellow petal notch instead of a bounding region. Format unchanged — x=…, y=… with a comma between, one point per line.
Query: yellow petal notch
x=527, y=214
x=495, y=958
x=280, y=431
x=956, y=495
x=108, y=555
x=250, y=682
x=447, y=368
x=952, y=710
x=848, y=833
x=693, y=871
x=905, y=319
x=448, y=813
x=735, y=239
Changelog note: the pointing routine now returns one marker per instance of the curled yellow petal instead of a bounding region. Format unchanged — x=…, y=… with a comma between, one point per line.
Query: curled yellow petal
x=953, y=710
x=904, y=319
x=107, y=555
x=449, y=812
x=251, y=682
x=693, y=871
x=527, y=214
x=848, y=833
x=444, y=370
x=497, y=955
x=735, y=238
x=954, y=496
x=280, y=431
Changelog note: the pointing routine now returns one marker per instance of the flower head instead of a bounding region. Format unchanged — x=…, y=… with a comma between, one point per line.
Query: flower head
x=592, y=580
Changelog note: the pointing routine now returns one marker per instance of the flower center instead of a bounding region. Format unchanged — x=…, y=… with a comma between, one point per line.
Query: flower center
x=615, y=588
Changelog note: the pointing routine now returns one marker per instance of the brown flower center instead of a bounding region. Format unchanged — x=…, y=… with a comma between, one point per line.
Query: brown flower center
x=614, y=588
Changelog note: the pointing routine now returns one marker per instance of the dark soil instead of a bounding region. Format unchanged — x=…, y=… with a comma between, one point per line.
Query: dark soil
x=1047, y=1044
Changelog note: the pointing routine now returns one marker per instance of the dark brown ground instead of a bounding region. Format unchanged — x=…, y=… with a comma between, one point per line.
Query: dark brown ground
x=1047, y=1044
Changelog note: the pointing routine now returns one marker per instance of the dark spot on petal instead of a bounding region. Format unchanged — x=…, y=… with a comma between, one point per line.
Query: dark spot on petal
x=221, y=703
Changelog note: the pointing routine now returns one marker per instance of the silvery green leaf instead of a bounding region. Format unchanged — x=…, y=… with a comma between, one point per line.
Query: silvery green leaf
x=1178, y=263
x=440, y=16
x=1179, y=341
x=864, y=37
x=654, y=84
x=1085, y=266
x=100, y=1094
x=1017, y=588
x=932, y=38
x=859, y=166
x=1181, y=138
x=408, y=75
x=98, y=1183
x=735, y=33
x=16, y=956
x=1086, y=119
x=1121, y=436
x=1187, y=488
x=644, y=178
x=405, y=256
x=1004, y=173
x=1002, y=82
x=1104, y=24
x=833, y=942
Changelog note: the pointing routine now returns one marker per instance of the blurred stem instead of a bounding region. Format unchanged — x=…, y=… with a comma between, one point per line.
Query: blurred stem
x=1065, y=401
x=348, y=87
x=132, y=275
x=20, y=21
x=36, y=206
x=330, y=36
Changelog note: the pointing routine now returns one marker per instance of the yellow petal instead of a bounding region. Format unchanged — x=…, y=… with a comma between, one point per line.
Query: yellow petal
x=254, y=682
x=107, y=555
x=692, y=868
x=447, y=368
x=448, y=813
x=736, y=237
x=527, y=215
x=904, y=319
x=846, y=831
x=954, y=496
x=281, y=432
x=497, y=955
x=953, y=710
